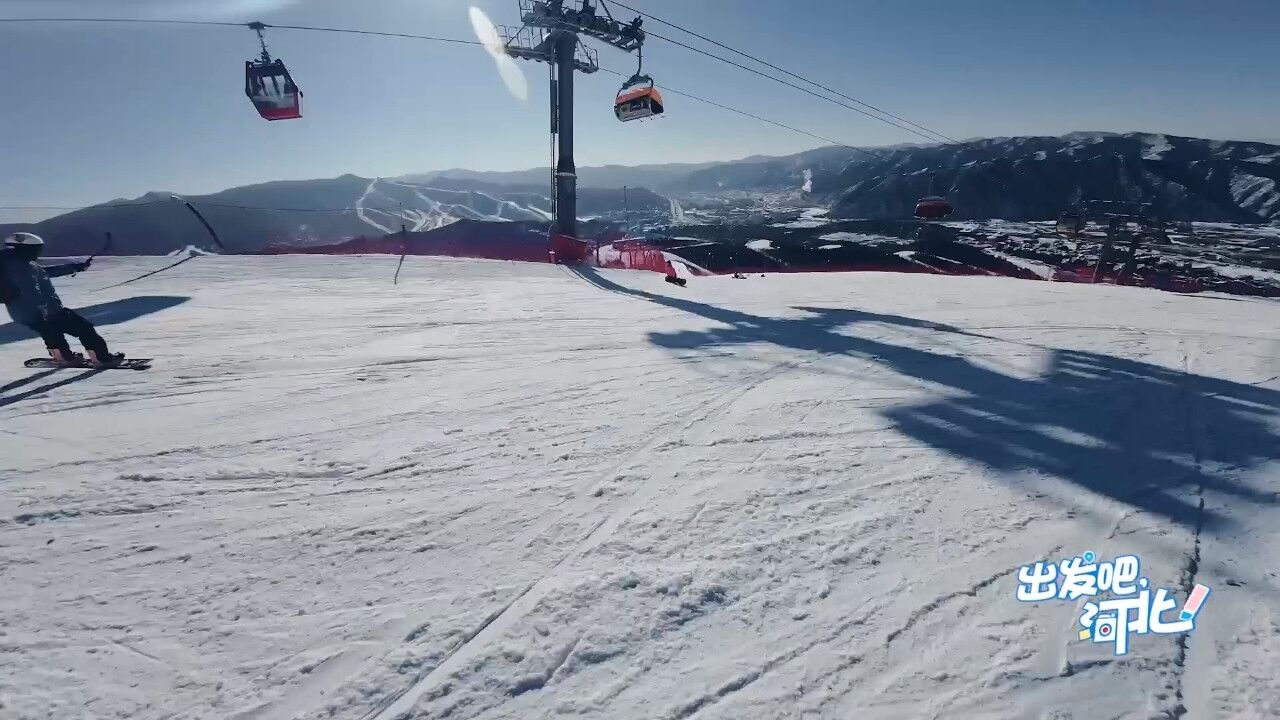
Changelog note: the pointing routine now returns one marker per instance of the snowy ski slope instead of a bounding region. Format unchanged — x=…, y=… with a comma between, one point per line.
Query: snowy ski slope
x=503, y=490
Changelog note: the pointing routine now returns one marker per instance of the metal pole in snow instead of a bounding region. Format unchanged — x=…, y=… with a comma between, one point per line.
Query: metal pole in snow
x=403, y=251
x=208, y=228
x=105, y=246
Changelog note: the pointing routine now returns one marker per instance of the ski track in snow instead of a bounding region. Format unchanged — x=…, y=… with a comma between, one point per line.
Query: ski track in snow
x=496, y=625
x=504, y=490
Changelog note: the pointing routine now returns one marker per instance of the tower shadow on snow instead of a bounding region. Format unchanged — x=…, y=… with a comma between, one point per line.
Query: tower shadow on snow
x=103, y=314
x=1127, y=430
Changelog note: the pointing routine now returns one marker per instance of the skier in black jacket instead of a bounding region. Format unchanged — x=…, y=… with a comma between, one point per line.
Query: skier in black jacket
x=31, y=300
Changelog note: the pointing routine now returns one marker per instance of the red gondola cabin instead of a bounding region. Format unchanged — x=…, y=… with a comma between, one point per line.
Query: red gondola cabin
x=274, y=93
x=934, y=207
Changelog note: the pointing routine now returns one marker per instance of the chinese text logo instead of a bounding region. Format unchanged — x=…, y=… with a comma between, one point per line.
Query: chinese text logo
x=1131, y=608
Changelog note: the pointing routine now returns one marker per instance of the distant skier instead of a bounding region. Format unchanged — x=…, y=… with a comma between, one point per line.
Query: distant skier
x=31, y=300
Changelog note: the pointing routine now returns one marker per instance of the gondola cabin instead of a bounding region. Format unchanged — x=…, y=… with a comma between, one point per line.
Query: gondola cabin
x=638, y=103
x=934, y=207
x=274, y=93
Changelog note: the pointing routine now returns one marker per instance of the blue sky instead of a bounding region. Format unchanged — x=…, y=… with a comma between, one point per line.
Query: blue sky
x=94, y=112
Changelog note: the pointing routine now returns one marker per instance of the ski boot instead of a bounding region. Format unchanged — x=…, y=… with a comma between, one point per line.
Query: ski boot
x=66, y=358
x=106, y=361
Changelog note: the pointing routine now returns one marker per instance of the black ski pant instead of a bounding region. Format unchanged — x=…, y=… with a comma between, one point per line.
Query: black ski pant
x=55, y=328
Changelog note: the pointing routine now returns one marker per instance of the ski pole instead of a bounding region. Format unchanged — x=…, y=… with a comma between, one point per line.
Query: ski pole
x=105, y=246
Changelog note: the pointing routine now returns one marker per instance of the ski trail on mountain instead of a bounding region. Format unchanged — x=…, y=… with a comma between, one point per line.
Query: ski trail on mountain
x=363, y=215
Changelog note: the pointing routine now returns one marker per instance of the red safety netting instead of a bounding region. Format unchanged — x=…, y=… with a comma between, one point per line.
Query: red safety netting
x=631, y=255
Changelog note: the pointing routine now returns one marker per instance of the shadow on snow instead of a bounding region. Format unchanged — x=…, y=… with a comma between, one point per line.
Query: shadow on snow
x=103, y=314
x=1131, y=431
x=7, y=400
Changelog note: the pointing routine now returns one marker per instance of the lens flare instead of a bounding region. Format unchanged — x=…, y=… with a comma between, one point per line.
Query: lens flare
x=508, y=70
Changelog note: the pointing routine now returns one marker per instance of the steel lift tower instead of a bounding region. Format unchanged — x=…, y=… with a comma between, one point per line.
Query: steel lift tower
x=550, y=34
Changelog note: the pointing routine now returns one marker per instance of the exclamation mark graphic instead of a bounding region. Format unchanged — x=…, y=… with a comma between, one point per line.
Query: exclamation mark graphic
x=1194, y=602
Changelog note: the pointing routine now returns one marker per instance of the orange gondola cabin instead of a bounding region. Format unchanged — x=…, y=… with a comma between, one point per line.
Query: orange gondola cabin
x=638, y=99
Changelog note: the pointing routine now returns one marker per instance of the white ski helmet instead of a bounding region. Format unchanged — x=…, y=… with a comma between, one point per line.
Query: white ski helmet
x=23, y=238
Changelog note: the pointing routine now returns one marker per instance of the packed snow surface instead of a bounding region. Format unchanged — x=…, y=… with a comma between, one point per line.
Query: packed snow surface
x=502, y=490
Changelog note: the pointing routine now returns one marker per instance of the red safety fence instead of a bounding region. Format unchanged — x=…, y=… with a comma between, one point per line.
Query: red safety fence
x=511, y=241
x=631, y=255
x=496, y=242
x=566, y=250
x=464, y=239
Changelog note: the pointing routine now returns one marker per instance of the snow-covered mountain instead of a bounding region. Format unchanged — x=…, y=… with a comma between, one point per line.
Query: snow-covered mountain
x=305, y=212
x=1026, y=178
x=1021, y=178
x=658, y=177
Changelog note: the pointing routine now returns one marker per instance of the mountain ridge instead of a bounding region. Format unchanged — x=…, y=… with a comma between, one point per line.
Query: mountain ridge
x=1028, y=177
x=1016, y=178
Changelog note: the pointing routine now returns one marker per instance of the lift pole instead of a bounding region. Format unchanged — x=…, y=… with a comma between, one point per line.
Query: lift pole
x=566, y=47
x=550, y=34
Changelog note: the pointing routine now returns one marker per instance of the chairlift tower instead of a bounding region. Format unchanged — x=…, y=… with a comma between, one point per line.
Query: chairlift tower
x=1124, y=220
x=551, y=34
